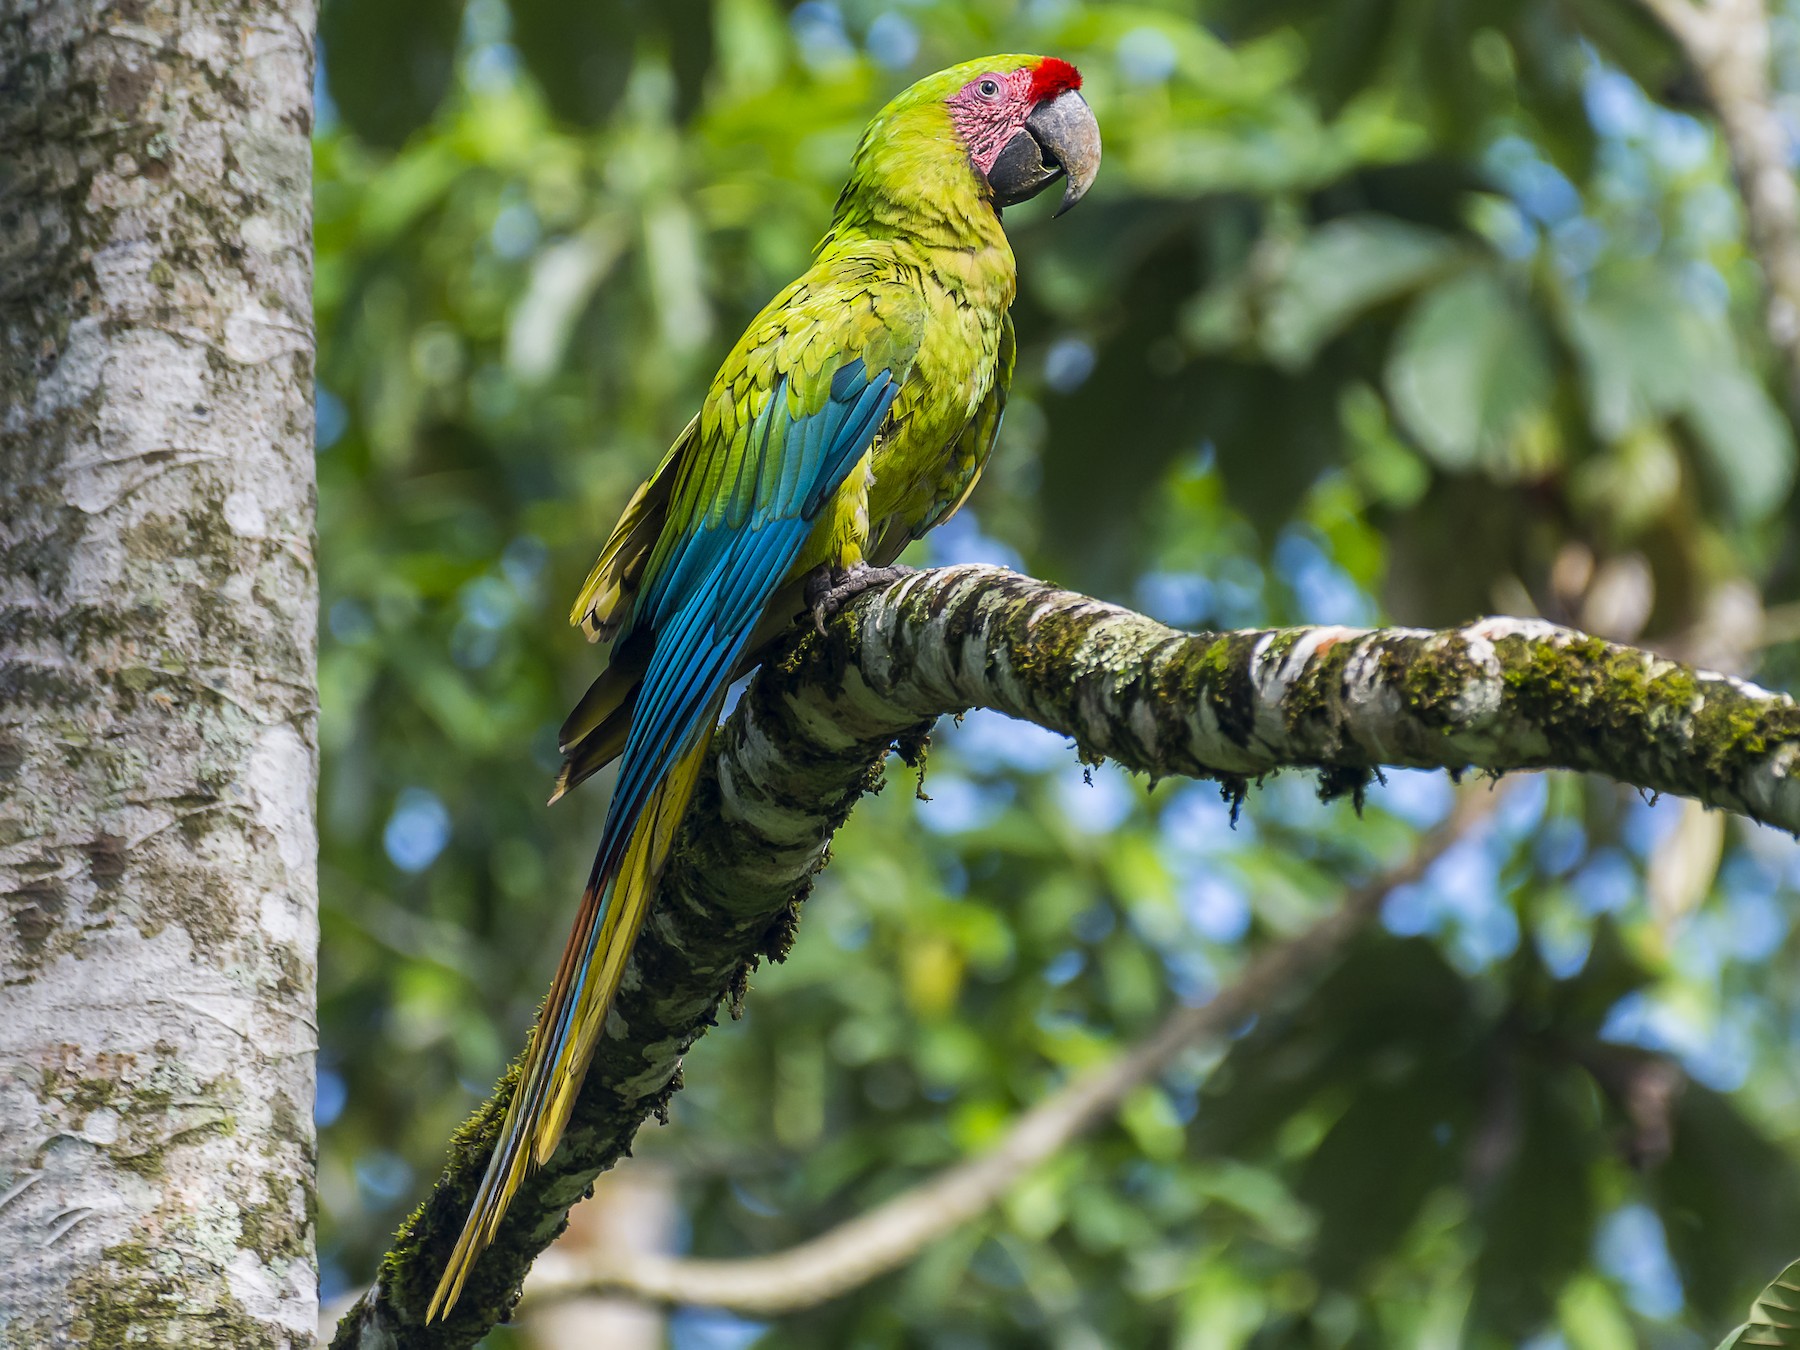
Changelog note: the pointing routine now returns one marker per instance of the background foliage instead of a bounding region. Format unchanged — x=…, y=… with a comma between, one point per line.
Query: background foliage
x=1381, y=311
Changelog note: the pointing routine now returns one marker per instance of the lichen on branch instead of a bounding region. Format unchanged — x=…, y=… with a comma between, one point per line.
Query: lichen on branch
x=810, y=735
x=1495, y=695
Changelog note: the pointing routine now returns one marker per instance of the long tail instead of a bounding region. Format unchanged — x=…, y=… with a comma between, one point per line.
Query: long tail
x=574, y=1012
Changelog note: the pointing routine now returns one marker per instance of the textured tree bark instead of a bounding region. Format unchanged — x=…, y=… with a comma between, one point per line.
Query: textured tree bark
x=157, y=617
x=811, y=732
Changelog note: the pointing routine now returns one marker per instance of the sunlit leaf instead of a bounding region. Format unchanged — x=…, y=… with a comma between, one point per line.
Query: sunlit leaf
x=1469, y=372
x=1592, y=1319
x=1748, y=445
x=1774, y=1317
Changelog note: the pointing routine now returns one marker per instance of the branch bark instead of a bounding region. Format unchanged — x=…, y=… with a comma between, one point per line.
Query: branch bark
x=811, y=732
x=894, y=1233
x=157, y=607
x=1727, y=43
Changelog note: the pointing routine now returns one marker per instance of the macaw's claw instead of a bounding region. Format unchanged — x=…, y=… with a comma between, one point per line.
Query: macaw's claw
x=829, y=590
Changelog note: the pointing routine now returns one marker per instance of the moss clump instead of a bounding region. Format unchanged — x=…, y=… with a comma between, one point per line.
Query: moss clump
x=275, y=1229
x=1233, y=789
x=130, y=1255
x=1615, y=709
x=90, y=1094
x=1431, y=678
x=1312, y=708
x=784, y=928
x=1223, y=678
x=1281, y=644
x=1573, y=692
x=914, y=747
x=1051, y=654
x=1734, y=735
x=1345, y=780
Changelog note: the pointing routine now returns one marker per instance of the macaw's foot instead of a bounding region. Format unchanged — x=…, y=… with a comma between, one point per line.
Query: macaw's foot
x=829, y=590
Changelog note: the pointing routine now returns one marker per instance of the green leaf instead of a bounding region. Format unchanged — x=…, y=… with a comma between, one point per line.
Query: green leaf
x=582, y=55
x=1152, y=1123
x=1648, y=355
x=1774, y=1317
x=1729, y=1200
x=1468, y=373
x=1639, y=343
x=1342, y=270
x=1591, y=1317
x=1631, y=39
x=1374, y=1169
x=1538, y=1215
x=388, y=65
x=1743, y=439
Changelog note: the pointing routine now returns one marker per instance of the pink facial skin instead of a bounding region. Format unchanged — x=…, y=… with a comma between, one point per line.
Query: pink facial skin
x=990, y=109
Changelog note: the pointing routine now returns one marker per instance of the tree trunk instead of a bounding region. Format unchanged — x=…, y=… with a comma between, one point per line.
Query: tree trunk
x=157, y=623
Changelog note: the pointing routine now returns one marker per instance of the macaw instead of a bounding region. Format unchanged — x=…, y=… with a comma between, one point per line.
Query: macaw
x=854, y=414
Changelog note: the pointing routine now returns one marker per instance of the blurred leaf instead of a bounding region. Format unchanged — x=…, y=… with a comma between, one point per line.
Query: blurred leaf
x=1392, y=1002
x=1591, y=1317
x=388, y=63
x=1628, y=33
x=1468, y=372
x=1260, y=1195
x=1639, y=342
x=1340, y=271
x=1774, y=1317
x=1729, y=1201
x=1368, y=1177
x=1538, y=1216
x=1146, y=1115
x=581, y=55
x=1746, y=442
x=1649, y=353
x=1349, y=47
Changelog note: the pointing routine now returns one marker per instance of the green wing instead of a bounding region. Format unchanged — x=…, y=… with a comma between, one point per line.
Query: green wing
x=964, y=461
x=749, y=477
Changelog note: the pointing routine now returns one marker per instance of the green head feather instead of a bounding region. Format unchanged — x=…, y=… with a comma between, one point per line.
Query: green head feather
x=912, y=174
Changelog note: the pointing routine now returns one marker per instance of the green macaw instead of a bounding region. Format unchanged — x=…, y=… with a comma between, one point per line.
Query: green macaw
x=855, y=414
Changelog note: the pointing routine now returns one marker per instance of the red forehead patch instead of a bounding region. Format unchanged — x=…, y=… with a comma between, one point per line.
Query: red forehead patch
x=1052, y=77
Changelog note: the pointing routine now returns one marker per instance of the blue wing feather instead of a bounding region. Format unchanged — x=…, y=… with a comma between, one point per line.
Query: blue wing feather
x=704, y=604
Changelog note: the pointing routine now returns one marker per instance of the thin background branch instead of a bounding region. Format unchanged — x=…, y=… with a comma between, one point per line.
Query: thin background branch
x=894, y=1233
x=1727, y=43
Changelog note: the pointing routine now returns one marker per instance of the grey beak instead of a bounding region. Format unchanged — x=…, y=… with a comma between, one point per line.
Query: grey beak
x=1061, y=139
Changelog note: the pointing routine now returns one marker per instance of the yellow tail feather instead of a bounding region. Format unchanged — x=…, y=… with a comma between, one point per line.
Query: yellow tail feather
x=645, y=856
x=545, y=1093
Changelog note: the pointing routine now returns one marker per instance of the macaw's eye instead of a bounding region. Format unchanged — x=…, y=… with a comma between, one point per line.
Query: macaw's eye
x=989, y=88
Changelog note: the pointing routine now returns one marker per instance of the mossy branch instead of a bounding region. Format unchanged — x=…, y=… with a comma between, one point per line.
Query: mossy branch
x=812, y=731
